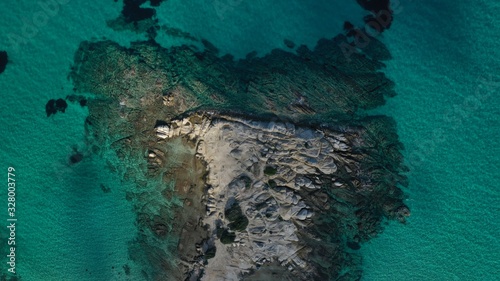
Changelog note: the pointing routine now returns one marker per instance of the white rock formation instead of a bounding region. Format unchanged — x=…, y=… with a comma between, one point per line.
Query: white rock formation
x=262, y=165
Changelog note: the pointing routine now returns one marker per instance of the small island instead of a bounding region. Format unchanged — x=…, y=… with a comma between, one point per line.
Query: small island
x=246, y=168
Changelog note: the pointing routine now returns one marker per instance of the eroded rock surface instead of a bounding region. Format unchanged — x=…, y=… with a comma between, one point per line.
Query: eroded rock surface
x=282, y=179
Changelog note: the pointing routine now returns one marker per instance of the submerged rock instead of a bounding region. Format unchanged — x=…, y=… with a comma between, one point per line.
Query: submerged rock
x=54, y=106
x=82, y=100
x=76, y=157
x=3, y=60
x=132, y=12
x=353, y=245
x=289, y=43
x=104, y=188
x=137, y=18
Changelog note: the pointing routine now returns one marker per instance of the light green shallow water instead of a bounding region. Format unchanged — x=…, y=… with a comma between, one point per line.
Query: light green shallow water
x=68, y=225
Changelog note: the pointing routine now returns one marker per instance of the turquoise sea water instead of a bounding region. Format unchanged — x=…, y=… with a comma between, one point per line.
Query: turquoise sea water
x=68, y=228
x=447, y=71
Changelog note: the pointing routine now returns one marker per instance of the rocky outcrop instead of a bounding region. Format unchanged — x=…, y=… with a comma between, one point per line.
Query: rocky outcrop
x=269, y=183
x=225, y=192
